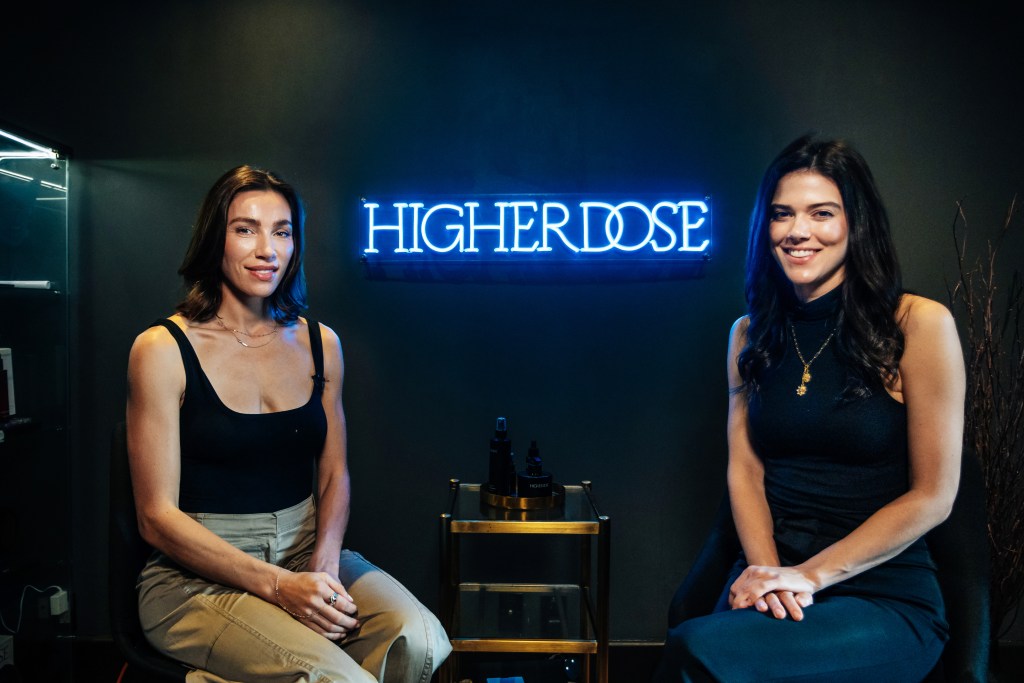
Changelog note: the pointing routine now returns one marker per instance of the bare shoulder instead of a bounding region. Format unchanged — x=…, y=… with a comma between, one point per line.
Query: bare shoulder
x=154, y=345
x=921, y=317
x=931, y=350
x=329, y=335
x=330, y=338
x=737, y=340
x=155, y=367
x=334, y=362
x=738, y=331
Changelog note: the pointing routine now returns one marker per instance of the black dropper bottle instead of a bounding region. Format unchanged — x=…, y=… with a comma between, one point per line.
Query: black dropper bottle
x=534, y=482
x=501, y=468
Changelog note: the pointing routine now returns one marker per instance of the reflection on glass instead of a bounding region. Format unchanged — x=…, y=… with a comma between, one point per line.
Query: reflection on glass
x=20, y=148
x=33, y=214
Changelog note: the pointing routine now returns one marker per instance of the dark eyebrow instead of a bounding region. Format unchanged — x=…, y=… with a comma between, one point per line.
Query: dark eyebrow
x=812, y=206
x=253, y=221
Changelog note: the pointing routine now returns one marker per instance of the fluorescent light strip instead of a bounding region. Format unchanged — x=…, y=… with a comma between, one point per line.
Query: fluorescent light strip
x=12, y=174
x=31, y=145
x=14, y=154
x=53, y=186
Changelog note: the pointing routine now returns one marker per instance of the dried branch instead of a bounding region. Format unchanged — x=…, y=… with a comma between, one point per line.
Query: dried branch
x=994, y=428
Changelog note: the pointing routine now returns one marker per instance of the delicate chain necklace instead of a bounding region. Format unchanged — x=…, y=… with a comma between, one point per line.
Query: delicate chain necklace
x=806, y=376
x=235, y=333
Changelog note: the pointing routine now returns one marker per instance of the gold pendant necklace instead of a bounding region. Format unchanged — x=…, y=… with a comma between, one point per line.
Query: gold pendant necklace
x=235, y=333
x=806, y=376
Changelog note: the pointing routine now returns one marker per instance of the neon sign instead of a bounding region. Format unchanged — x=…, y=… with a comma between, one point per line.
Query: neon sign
x=517, y=228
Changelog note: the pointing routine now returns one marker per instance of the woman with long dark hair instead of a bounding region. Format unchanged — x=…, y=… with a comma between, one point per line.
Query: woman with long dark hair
x=844, y=433
x=237, y=447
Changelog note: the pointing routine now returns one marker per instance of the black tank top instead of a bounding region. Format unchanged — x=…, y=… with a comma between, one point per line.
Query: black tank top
x=829, y=464
x=242, y=463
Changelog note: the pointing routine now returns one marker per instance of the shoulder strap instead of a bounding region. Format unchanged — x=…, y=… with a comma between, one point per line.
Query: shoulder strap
x=183, y=343
x=316, y=346
x=189, y=359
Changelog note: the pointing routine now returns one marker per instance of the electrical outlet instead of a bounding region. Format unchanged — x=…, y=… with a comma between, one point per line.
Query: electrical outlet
x=6, y=651
x=59, y=603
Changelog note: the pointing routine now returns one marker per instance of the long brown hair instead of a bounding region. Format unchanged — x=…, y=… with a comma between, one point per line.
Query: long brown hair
x=869, y=339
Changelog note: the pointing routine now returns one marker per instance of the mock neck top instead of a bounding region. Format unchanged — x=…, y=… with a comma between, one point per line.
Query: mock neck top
x=824, y=307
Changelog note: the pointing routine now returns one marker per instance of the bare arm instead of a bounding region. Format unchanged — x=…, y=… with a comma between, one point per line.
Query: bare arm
x=332, y=471
x=750, y=511
x=156, y=383
x=932, y=384
x=933, y=387
x=746, y=470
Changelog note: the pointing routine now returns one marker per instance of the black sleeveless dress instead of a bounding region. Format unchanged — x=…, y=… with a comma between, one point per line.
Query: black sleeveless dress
x=829, y=465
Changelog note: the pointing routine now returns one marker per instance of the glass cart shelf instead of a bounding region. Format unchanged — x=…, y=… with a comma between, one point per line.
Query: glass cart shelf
x=524, y=617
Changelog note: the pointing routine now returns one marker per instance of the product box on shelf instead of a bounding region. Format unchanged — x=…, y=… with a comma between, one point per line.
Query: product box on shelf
x=7, y=382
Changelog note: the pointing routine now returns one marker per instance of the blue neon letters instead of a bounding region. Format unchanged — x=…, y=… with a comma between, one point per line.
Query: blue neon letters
x=504, y=228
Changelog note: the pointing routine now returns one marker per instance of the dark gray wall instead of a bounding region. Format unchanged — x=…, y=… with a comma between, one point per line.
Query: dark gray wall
x=621, y=382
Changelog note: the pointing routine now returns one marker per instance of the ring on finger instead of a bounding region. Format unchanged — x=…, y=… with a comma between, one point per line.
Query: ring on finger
x=333, y=599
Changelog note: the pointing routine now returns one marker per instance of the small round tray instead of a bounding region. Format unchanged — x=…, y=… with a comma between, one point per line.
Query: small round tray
x=555, y=500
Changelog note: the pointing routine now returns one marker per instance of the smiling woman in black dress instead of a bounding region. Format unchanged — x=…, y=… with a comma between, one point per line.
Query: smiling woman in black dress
x=845, y=429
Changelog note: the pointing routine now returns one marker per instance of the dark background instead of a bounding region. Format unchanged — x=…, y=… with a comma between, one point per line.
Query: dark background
x=621, y=381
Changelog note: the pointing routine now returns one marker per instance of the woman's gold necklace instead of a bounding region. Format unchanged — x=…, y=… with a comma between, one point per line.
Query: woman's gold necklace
x=235, y=333
x=806, y=376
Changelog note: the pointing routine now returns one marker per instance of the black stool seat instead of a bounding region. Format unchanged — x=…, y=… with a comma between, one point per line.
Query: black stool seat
x=128, y=554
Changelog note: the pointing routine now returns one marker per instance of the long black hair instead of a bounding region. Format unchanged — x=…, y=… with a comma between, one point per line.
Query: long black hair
x=868, y=338
x=201, y=268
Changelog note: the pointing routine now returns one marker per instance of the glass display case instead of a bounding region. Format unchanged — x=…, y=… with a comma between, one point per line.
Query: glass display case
x=35, y=498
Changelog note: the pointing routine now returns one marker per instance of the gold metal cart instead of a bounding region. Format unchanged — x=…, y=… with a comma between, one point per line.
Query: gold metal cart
x=471, y=612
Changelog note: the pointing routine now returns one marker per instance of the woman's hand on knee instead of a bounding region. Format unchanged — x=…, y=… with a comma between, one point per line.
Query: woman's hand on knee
x=339, y=616
x=333, y=623
x=319, y=601
x=781, y=591
x=782, y=604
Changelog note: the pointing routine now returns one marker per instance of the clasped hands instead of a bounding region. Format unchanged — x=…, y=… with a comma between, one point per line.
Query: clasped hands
x=319, y=601
x=780, y=591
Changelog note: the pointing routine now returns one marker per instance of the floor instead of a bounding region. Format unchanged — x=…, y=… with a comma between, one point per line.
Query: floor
x=100, y=662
